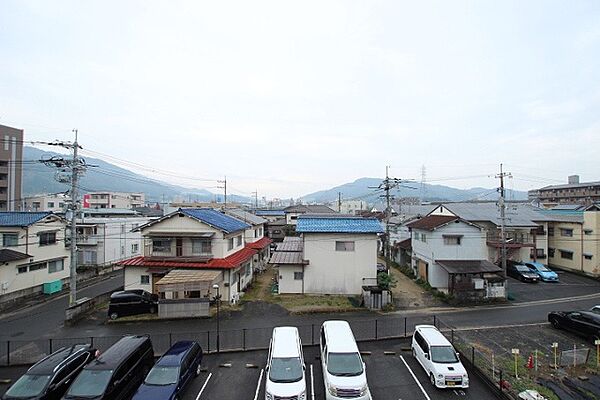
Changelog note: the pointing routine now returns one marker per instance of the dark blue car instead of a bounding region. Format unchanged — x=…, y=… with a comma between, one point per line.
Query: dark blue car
x=172, y=373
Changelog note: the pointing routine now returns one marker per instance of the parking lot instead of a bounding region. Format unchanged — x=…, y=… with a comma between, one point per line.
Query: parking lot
x=394, y=376
x=569, y=285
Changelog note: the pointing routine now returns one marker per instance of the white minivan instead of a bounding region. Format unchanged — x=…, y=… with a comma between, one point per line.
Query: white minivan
x=286, y=378
x=343, y=368
x=438, y=358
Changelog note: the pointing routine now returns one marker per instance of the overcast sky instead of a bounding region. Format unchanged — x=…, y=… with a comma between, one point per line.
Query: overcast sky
x=293, y=97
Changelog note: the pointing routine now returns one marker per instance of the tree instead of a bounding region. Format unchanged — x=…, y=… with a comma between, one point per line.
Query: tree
x=385, y=281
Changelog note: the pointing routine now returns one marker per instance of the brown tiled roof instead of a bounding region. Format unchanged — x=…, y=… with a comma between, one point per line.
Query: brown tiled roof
x=404, y=244
x=431, y=222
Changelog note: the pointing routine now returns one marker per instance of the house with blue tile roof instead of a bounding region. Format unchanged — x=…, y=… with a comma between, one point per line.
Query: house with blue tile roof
x=338, y=255
x=33, y=252
x=196, y=239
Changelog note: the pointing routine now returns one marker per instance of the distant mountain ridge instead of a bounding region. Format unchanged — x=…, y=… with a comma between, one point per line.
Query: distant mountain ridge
x=39, y=178
x=361, y=189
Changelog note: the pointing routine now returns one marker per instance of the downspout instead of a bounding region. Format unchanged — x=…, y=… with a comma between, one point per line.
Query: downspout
x=303, y=278
x=534, y=246
x=26, y=240
x=582, y=258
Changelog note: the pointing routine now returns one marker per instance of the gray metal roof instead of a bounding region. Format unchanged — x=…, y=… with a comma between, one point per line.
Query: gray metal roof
x=287, y=257
x=291, y=243
x=245, y=216
x=517, y=214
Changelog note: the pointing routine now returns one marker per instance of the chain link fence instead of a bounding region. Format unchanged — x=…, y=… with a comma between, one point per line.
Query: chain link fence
x=24, y=352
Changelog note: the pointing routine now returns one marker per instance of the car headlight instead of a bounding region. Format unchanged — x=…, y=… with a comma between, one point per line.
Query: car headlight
x=302, y=396
x=332, y=389
x=440, y=376
x=364, y=389
x=269, y=396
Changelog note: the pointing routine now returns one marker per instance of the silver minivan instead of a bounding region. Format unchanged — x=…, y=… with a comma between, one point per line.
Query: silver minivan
x=286, y=377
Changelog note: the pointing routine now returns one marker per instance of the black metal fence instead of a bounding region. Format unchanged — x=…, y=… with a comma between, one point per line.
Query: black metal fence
x=24, y=352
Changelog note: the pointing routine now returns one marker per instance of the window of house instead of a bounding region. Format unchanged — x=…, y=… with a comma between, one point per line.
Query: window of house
x=298, y=276
x=50, y=204
x=135, y=248
x=201, y=246
x=551, y=252
x=37, y=266
x=256, y=233
x=344, y=246
x=452, y=240
x=587, y=256
x=56, y=265
x=10, y=239
x=230, y=244
x=47, y=238
x=566, y=232
x=238, y=241
x=161, y=245
x=247, y=269
x=144, y=279
x=22, y=269
x=587, y=231
x=567, y=255
x=423, y=237
x=550, y=231
x=61, y=205
x=36, y=205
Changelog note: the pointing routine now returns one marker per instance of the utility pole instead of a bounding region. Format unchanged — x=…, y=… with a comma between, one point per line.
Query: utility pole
x=74, y=209
x=502, y=206
x=224, y=187
x=339, y=202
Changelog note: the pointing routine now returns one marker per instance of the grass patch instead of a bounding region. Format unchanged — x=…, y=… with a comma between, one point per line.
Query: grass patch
x=305, y=303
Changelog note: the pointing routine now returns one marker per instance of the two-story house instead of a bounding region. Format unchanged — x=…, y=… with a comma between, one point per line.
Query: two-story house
x=451, y=254
x=255, y=236
x=193, y=240
x=336, y=255
x=33, y=253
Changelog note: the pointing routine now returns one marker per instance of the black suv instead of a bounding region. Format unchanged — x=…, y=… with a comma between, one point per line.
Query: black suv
x=116, y=374
x=132, y=302
x=50, y=377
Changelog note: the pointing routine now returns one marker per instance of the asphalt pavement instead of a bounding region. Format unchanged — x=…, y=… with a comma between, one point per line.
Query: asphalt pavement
x=46, y=319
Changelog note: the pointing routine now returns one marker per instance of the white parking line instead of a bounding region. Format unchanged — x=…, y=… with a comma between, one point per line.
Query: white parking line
x=312, y=383
x=259, y=382
x=203, y=386
x=415, y=378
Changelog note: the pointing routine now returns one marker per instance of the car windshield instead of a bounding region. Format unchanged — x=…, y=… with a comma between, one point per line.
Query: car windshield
x=443, y=354
x=523, y=268
x=344, y=364
x=542, y=268
x=90, y=383
x=28, y=386
x=285, y=370
x=162, y=376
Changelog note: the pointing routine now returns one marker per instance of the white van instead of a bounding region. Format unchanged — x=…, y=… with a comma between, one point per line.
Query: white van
x=438, y=358
x=343, y=368
x=285, y=368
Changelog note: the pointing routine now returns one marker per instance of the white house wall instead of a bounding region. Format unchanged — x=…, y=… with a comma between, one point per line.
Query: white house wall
x=287, y=283
x=338, y=272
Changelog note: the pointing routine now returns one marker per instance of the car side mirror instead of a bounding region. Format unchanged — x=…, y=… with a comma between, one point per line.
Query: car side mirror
x=427, y=356
x=457, y=354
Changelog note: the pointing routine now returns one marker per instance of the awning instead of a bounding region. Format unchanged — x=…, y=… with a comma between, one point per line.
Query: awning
x=180, y=280
x=468, y=266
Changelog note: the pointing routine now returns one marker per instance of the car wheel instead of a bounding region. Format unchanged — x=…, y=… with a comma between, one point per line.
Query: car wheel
x=152, y=310
x=198, y=369
x=114, y=316
x=432, y=379
x=555, y=323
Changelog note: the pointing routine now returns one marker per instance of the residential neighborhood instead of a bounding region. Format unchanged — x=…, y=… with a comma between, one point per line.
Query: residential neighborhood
x=300, y=200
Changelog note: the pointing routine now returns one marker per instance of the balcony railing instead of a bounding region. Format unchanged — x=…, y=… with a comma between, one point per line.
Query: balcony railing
x=513, y=239
x=173, y=252
x=87, y=240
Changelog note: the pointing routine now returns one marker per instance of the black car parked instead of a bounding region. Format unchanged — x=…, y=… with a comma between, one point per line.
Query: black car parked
x=582, y=323
x=117, y=373
x=522, y=273
x=50, y=377
x=132, y=302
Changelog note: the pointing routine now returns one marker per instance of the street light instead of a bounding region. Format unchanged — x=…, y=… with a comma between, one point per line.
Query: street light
x=218, y=300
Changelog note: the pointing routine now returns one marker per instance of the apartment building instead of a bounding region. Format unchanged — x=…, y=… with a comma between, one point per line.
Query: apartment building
x=11, y=171
x=574, y=192
x=114, y=200
x=55, y=203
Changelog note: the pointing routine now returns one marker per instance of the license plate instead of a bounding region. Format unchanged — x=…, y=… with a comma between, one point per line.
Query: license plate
x=450, y=383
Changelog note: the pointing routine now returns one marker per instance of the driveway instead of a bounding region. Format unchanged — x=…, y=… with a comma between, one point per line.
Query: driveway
x=569, y=285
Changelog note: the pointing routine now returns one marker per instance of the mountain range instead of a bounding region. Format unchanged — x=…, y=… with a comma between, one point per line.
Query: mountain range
x=362, y=189
x=39, y=178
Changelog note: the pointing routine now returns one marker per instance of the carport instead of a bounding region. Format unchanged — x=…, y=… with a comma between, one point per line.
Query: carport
x=186, y=293
x=473, y=279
